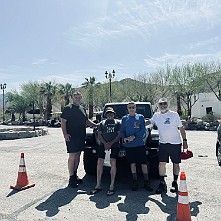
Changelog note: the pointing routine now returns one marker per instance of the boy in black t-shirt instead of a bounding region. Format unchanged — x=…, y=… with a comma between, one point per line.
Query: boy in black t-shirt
x=109, y=136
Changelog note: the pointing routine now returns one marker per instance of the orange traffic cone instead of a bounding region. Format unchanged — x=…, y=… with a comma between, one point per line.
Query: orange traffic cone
x=183, y=207
x=22, y=180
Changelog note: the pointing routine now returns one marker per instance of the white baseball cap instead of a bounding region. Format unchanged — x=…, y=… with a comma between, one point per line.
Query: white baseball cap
x=162, y=100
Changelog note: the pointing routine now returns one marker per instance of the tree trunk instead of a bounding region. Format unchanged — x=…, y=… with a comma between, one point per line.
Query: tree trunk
x=91, y=103
x=179, y=110
x=90, y=111
x=49, y=108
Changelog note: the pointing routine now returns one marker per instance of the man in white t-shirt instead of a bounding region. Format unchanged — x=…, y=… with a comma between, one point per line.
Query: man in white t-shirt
x=172, y=136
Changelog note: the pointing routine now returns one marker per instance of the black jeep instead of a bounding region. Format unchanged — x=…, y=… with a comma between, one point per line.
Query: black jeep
x=151, y=139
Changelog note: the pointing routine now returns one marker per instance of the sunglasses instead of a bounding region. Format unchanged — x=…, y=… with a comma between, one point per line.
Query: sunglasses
x=163, y=103
x=132, y=107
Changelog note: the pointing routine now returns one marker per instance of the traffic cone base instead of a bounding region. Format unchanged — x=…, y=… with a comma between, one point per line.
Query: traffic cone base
x=16, y=187
x=174, y=218
x=183, y=207
x=22, y=180
x=183, y=212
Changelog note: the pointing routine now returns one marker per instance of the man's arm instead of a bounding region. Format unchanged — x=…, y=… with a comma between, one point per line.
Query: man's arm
x=90, y=123
x=64, y=129
x=122, y=129
x=147, y=122
x=116, y=139
x=183, y=135
x=100, y=137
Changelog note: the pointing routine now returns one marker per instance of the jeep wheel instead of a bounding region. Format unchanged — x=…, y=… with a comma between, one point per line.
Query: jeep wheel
x=219, y=154
x=90, y=162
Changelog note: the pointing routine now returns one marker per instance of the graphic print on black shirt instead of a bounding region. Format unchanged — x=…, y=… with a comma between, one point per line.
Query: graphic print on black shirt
x=109, y=129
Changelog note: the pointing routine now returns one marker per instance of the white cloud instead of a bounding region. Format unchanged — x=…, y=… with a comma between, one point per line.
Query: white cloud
x=108, y=35
x=43, y=61
x=176, y=59
x=40, y=61
x=208, y=42
x=134, y=19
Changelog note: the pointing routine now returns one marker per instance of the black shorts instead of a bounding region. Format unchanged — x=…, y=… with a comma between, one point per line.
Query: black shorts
x=101, y=152
x=136, y=154
x=169, y=150
x=74, y=147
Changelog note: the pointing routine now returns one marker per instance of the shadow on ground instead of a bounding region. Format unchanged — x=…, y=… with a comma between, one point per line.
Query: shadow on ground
x=62, y=197
x=129, y=202
x=134, y=203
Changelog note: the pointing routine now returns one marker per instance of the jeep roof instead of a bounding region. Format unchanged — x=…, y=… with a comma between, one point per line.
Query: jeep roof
x=120, y=108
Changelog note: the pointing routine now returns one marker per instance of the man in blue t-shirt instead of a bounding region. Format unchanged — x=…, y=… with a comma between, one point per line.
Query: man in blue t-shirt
x=132, y=133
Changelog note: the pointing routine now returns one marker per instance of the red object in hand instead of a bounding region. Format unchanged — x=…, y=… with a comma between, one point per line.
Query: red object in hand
x=186, y=155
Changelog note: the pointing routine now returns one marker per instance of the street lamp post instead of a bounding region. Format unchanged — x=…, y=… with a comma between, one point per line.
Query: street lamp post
x=110, y=76
x=3, y=87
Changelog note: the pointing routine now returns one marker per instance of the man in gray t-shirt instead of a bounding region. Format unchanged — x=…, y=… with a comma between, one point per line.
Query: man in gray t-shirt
x=109, y=136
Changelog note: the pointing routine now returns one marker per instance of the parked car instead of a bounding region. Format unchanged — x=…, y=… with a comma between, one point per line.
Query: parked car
x=33, y=113
x=54, y=123
x=151, y=139
x=218, y=145
x=55, y=120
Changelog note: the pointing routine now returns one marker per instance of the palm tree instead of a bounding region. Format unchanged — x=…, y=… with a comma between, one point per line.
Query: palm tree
x=48, y=90
x=90, y=84
x=65, y=92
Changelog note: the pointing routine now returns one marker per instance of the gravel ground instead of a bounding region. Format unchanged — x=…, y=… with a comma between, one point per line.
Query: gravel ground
x=46, y=163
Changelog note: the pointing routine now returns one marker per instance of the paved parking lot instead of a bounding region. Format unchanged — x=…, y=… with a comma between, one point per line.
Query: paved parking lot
x=46, y=163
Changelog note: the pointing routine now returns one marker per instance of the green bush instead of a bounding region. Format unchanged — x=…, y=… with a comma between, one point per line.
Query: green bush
x=211, y=117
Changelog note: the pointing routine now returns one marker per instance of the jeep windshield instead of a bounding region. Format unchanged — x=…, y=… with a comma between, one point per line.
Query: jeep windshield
x=121, y=109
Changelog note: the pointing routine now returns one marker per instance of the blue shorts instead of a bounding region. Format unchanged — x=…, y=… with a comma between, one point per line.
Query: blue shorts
x=169, y=150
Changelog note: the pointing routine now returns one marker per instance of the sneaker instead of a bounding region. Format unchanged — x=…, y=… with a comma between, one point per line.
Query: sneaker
x=161, y=188
x=78, y=180
x=147, y=185
x=72, y=182
x=175, y=187
x=134, y=185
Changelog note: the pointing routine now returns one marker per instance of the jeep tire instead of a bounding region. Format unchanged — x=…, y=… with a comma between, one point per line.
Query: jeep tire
x=90, y=162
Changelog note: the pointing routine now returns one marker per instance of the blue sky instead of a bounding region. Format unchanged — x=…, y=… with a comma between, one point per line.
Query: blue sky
x=69, y=40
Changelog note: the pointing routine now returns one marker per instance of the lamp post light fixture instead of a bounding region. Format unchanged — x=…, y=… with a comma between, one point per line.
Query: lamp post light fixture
x=3, y=87
x=109, y=76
